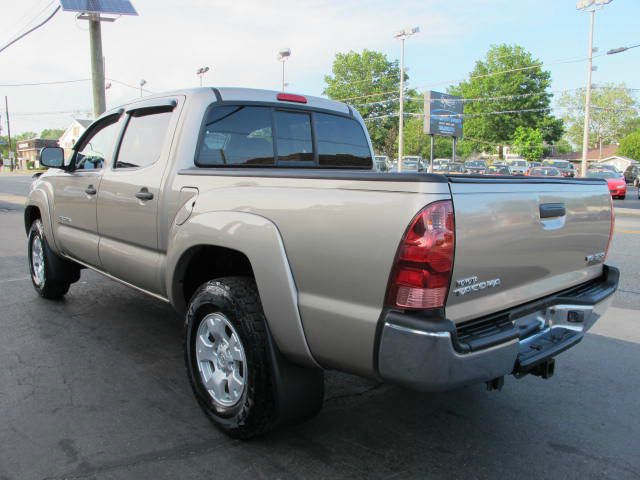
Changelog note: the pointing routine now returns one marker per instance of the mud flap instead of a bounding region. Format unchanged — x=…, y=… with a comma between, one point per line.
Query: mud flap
x=299, y=391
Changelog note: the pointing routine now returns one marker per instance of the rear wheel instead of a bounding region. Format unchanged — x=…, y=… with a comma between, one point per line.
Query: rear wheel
x=51, y=275
x=231, y=363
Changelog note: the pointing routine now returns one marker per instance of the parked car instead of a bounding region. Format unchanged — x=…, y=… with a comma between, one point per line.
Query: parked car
x=631, y=174
x=518, y=167
x=606, y=167
x=545, y=172
x=455, y=168
x=617, y=185
x=382, y=162
x=478, y=167
x=499, y=170
x=410, y=164
x=566, y=168
x=259, y=217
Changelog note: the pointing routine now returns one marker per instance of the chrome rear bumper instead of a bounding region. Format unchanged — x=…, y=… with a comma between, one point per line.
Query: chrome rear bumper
x=432, y=355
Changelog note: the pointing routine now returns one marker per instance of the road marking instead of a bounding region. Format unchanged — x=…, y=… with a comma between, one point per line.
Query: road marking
x=19, y=279
x=630, y=232
x=10, y=198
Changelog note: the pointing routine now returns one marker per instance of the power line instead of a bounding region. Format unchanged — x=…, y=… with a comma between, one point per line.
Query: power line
x=129, y=85
x=25, y=15
x=54, y=82
x=2, y=49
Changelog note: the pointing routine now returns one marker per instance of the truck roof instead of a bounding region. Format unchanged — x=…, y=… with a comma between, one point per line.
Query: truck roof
x=231, y=94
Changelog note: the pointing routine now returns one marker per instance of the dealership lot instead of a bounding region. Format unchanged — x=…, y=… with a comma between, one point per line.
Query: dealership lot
x=94, y=387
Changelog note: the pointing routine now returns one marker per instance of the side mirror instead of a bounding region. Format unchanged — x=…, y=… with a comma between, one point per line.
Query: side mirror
x=52, y=157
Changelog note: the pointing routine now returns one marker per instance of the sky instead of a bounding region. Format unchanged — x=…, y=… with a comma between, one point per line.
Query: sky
x=239, y=41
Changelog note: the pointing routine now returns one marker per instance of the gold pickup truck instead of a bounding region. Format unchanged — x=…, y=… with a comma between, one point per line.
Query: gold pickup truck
x=260, y=216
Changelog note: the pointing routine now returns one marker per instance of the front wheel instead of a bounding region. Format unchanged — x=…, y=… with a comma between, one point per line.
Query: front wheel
x=51, y=275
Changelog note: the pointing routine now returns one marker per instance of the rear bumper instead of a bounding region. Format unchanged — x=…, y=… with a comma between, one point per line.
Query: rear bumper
x=431, y=354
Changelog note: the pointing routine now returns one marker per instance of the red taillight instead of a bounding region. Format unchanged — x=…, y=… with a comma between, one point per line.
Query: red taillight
x=421, y=275
x=290, y=97
x=612, y=226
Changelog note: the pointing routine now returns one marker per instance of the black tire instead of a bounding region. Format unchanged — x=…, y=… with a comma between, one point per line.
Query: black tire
x=57, y=275
x=237, y=299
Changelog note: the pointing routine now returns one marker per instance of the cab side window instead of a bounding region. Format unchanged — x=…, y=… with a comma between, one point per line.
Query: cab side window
x=98, y=147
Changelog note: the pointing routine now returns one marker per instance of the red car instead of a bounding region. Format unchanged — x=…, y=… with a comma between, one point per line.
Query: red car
x=616, y=183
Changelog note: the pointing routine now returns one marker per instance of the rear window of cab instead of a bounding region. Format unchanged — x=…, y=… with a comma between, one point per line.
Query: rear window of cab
x=264, y=136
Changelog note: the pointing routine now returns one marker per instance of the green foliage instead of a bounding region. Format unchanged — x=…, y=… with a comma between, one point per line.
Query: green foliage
x=528, y=143
x=630, y=146
x=563, y=146
x=23, y=136
x=356, y=78
x=612, y=114
x=522, y=75
x=51, y=133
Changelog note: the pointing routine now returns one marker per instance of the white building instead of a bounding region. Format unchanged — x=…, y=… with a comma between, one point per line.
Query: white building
x=618, y=161
x=71, y=134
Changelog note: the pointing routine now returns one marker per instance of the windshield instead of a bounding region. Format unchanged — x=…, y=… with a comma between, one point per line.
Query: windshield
x=546, y=172
x=475, y=163
x=456, y=167
x=519, y=163
x=601, y=174
x=557, y=163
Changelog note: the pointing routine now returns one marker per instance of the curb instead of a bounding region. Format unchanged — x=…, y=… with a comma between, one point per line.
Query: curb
x=627, y=211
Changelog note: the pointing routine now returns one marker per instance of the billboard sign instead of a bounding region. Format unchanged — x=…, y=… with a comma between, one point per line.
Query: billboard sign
x=443, y=114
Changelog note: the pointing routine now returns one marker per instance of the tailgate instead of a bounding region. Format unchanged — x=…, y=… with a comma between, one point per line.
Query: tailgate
x=521, y=239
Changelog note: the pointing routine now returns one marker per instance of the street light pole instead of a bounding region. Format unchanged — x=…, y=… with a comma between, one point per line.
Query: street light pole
x=587, y=101
x=143, y=82
x=401, y=120
x=283, y=56
x=200, y=73
x=402, y=35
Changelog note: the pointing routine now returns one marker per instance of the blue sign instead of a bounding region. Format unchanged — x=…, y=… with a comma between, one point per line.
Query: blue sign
x=443, y=114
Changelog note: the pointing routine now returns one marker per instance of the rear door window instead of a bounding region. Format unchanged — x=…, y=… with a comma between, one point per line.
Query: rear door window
x=143, y=139
x=341, y=142
x=237, y=135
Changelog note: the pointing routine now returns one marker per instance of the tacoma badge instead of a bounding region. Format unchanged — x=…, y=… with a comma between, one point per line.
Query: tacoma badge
x=471, y=284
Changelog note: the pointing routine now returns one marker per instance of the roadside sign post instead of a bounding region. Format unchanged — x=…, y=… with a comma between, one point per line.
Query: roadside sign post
x=443, y=116
x=431, y=155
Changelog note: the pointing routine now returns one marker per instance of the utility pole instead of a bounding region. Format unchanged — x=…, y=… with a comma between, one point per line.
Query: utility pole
x=402, y=35
x=589, y=6
x=94, y=12
x=587, y=101
x=97, y=65
x=11, y=159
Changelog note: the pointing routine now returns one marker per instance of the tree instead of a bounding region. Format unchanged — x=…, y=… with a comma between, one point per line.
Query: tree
x=528, y=143
x=51, y=133
x=369, y=81
x=613, y=109
x=630, y=146
x=507, y=79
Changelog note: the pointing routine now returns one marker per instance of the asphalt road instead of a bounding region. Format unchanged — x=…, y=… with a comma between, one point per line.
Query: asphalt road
x=94, y=387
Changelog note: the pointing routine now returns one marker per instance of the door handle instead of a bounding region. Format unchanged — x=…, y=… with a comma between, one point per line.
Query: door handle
x=144, y=194
x=90, y=190
x=550, y=210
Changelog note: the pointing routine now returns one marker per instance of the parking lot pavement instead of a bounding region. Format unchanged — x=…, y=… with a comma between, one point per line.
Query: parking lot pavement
x=94, y=387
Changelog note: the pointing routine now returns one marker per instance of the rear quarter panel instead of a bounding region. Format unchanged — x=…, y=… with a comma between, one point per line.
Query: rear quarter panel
x=340, y=239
